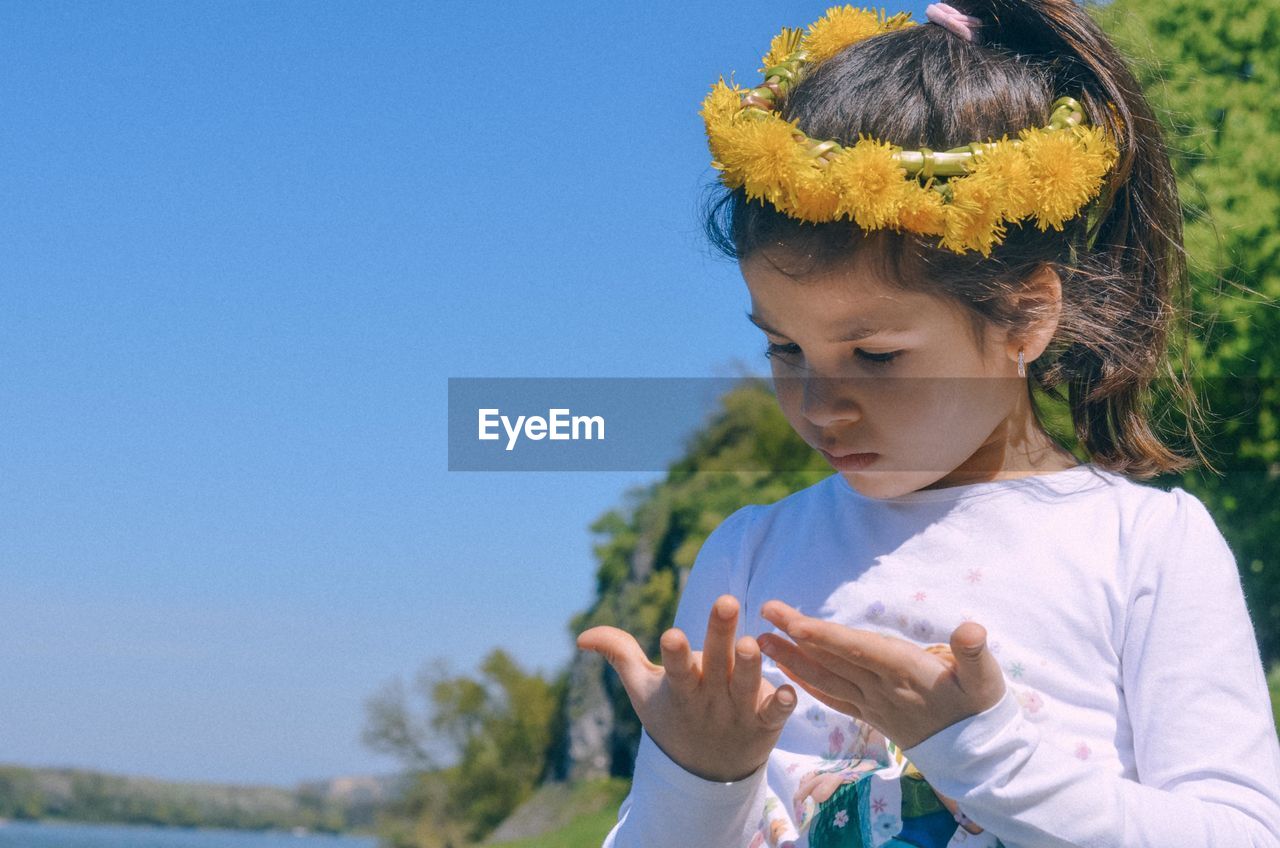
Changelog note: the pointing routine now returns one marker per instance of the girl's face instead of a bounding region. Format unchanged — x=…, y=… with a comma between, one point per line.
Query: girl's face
x=860, y=367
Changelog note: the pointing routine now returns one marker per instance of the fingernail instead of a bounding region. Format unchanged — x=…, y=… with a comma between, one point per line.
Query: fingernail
x=785, y=699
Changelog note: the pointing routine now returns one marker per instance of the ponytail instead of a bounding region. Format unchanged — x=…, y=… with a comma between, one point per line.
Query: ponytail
x=1136, y=270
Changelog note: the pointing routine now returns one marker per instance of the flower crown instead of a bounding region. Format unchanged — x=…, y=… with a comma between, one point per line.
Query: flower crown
x=969, y=192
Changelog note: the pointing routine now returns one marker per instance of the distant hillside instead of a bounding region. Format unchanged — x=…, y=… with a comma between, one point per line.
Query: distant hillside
x=338, y=804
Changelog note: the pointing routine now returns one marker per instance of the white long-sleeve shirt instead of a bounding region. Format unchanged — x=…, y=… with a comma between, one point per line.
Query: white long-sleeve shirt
x=1136, y=712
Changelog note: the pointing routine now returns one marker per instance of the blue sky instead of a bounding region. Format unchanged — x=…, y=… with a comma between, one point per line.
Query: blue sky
x=246, y=245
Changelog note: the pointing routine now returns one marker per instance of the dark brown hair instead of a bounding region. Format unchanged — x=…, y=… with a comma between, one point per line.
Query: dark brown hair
x=1121, y=263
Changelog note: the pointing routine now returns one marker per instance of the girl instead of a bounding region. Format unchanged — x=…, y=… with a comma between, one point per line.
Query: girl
x=965, y=636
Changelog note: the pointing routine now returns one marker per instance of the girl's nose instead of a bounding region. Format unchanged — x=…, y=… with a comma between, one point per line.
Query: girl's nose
x=828, y=400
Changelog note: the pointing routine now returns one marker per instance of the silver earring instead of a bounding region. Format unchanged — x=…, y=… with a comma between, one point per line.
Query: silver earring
x=1022, y=365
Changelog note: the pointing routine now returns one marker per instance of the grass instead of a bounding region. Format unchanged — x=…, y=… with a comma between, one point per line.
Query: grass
x=586, y=831
x=601, y=799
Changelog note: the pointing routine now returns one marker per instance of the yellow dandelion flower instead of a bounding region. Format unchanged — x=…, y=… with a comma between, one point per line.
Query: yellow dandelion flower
x=869, y=181
x=1065, y=175
x=726, y=143
x=780, y=47
x=720, y=143
x=974, y=214
x=840, y=27
x=814, y=198
x=720, y=104
x=718, y=111
x=762, y=152
x=1096, y=140
x=1007, y=166
x=1100, y=152
x=922, y=210
x=730, y=177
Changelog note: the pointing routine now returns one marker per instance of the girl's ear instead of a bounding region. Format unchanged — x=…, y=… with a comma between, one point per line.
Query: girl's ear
x=1040, y=300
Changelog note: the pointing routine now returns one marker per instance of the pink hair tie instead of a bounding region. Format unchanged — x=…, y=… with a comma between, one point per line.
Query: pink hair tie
x=953, y=19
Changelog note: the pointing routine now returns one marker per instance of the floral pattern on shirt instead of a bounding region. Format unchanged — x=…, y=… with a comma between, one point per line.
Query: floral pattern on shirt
x=868, y=802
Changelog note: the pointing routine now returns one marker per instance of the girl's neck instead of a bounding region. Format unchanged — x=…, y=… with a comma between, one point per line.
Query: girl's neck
x=1015, y=449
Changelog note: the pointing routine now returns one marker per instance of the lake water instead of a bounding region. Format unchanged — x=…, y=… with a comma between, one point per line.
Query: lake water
x=40, y=835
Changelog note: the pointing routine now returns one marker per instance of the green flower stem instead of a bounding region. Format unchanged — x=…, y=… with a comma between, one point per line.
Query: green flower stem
x=1066, y=112
x=946, y=163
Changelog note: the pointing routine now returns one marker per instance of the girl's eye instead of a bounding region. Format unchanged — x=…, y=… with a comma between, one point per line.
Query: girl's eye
x=791, y=349
x=775, y=349
x=881, y=358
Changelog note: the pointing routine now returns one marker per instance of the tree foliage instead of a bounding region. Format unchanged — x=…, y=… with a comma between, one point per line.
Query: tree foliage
x=90, y=796
x=497, y=731
x=1212, y=70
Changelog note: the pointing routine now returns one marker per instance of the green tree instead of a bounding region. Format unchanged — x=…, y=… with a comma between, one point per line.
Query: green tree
x=1212, y=71
x=498, y=729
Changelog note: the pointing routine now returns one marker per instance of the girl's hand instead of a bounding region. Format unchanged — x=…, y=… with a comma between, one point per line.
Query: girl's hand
x=709, y=711
x=906, y=693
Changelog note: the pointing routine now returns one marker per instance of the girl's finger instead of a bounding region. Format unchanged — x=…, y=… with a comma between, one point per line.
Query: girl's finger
x=621, y=650
x=838, y=704
x=717, y=647
x=867, y=649
x=777, y=708
x=813, y=673
x=744, y=682
x=677, y=660
x=862, y=677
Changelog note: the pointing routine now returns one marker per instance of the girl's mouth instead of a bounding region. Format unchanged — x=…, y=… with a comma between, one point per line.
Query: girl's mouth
x=849, y=462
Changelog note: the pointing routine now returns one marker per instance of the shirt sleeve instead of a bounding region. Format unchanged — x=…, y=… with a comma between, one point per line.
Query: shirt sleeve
x=668, y=805
x=1205, y=744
